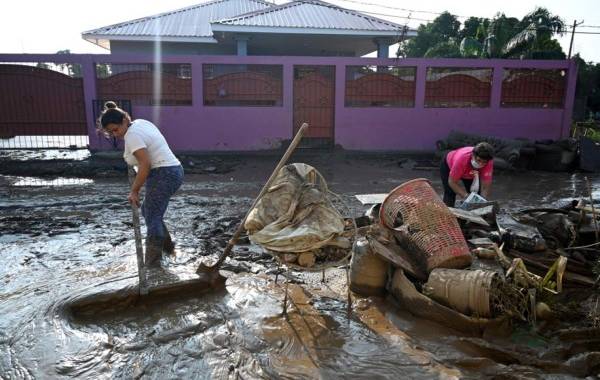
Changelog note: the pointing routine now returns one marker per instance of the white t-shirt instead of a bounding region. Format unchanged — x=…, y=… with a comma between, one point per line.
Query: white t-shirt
x=143, y=134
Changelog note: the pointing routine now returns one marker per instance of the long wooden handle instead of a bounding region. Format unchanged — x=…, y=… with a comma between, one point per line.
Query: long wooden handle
x=282, y=162
x=139, y=251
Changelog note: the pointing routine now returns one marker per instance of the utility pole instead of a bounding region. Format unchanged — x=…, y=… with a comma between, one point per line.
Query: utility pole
x=575, y=25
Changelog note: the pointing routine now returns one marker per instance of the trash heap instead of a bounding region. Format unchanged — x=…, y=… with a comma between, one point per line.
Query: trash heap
x=545, y=155
x=473, y=267
x=296, y=221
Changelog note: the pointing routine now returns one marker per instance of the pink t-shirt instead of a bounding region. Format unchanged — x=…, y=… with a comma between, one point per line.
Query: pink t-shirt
x=459, y=162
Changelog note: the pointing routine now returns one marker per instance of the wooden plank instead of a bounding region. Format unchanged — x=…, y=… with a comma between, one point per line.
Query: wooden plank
x=481, y=242
x=468, y=216
x=394, y=256
x=370, y=199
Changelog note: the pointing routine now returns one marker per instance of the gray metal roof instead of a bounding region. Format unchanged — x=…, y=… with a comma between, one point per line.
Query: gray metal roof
x=310, y=14
x=186, y=24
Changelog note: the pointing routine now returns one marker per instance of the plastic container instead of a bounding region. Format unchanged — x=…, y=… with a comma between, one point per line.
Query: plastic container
x=368, y=272
x=463, y=290
x=433, y=231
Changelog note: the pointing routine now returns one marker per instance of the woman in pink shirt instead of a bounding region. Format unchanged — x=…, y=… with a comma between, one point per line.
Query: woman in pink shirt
x=466, y=164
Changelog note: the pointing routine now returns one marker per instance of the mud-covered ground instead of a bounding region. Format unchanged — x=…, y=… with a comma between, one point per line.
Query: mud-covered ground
x=62, y=240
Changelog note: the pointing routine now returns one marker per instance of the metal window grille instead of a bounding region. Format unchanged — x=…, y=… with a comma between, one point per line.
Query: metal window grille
x=98, y=107
x=533, y=88
x=449, y=87
x=243, y=85
x=147, y=84
x=42, y=106
x=380, y=86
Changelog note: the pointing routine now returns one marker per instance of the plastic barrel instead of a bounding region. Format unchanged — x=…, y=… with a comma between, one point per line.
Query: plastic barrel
x=463, y=290
x=368, y=272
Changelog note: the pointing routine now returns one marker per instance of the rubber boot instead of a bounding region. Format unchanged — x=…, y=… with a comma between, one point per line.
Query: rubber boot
x=168, y=245
x=154, y=247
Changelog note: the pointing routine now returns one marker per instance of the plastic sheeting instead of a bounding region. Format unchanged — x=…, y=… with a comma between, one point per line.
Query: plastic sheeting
x=295, y=214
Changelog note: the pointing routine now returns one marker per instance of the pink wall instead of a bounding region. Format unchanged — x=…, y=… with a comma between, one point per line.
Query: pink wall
x=200, y=128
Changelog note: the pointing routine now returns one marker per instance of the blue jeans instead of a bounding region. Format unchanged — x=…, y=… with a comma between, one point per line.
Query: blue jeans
x=161, y=184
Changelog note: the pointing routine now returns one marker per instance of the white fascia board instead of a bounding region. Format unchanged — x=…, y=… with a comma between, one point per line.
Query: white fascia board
x=91, y=37
x=103, y=43
x=282, y=30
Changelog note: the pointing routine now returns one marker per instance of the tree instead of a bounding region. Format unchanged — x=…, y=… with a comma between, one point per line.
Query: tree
x=440, y=30
x=73, y=69
x=102, y=70
x=499, y=32
x=588, y=84
x=445, y=26
x=448, y=49
x=470, y=28
x=501, y=37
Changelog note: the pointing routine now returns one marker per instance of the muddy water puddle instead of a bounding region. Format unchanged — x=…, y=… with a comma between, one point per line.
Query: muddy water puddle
x=60, y=244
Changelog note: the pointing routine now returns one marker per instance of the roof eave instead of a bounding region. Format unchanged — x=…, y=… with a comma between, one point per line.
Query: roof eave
x=291, y=30
x=102, y=42
x=108, y=37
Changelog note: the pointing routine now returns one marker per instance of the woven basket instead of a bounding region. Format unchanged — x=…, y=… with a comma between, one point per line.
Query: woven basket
x=433, y=230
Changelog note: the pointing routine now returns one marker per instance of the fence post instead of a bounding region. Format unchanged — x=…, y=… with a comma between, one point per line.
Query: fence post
x=421, y=80
x=288, y=93
x=88, y=70
x=340, y=96
x=197, y=84
x=497, y=78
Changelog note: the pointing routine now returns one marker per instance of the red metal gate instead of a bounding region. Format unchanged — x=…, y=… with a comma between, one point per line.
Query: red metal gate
x=314, y=103
x=40, y=102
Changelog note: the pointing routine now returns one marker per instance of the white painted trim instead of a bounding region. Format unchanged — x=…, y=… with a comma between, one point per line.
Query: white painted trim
x=288, y=30
x=91, y=37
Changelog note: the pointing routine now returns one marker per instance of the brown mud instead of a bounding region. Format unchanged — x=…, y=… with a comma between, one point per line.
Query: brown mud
x=63, y=245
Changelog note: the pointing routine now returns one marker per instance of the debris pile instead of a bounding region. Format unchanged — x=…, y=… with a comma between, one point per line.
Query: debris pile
x=297, y=223
x=471, y=267
x=546, y=155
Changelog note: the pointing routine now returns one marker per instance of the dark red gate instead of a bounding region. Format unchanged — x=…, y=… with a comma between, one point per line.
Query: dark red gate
x=40, y=102
x=314, y=103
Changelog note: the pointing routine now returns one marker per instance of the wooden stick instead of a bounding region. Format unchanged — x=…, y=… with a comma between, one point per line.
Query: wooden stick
x=204, y=268
x=587, y=181
x=139, y=250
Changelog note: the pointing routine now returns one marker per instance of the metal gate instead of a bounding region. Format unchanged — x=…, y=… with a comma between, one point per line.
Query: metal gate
x=41, y=109
x=314, y=103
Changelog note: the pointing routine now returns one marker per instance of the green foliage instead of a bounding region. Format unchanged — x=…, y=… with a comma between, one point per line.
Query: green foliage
x=448, y=49
x=588, y=83
x=102, y=70
x=440, y=30
x=470, y=48
x=72, y=69
x=445, y=26
x=501, y=37
x=470, y=28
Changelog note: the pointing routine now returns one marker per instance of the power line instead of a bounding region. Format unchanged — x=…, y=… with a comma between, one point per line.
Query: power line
x=433, y=13
x=587, y=32
x=409, y=18
x=396, y=16
x=397, y=8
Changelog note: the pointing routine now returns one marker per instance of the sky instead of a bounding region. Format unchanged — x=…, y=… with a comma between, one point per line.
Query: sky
x=37, y=26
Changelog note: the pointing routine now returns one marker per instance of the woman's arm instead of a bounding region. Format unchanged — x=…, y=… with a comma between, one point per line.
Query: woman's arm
x=458, y=189
x=143, y=160
x=486, y=187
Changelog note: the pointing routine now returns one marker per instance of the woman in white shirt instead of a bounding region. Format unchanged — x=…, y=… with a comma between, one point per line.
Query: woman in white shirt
x=158, y=168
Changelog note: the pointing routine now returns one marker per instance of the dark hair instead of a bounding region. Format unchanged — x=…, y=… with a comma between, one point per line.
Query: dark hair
x=112, y=115
x=484, y=151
